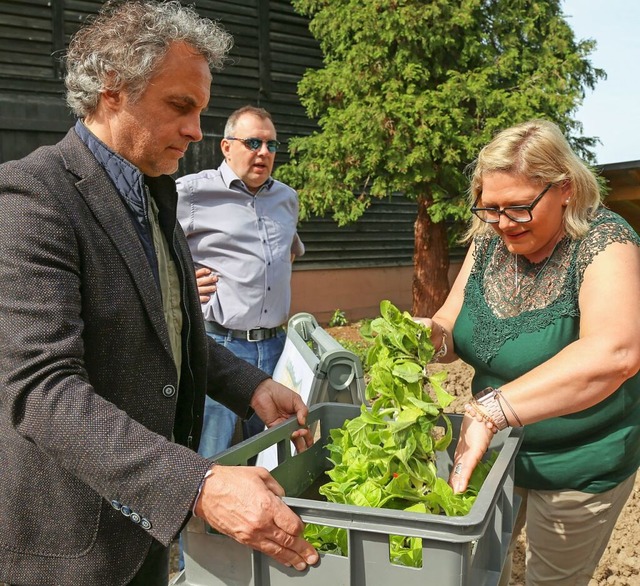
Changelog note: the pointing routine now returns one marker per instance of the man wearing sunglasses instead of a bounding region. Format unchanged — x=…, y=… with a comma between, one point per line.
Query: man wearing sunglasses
x=241, y=227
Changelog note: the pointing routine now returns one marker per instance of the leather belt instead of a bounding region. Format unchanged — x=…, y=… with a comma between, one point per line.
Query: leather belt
x=254, y=335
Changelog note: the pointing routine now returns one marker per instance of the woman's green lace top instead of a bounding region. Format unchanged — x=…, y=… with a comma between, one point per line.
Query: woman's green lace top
x=509, y=296
x=517, y=315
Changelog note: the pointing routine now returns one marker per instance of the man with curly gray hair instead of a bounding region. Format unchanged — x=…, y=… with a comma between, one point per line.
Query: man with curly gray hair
x=103, y=375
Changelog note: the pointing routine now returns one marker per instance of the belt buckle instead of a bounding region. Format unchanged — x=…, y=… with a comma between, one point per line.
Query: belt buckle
x=250, y=339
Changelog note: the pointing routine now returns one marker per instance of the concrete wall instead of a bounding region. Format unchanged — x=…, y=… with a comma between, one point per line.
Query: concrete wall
x=357, y=292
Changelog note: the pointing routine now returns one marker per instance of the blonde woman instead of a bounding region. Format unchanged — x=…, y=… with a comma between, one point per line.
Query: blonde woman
x=546, y=309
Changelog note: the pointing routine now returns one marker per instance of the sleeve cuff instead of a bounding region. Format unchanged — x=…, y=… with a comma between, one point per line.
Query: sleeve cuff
x=204, y=479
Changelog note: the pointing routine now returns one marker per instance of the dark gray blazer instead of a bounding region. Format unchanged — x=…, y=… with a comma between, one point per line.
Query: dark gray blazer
x=89, y=395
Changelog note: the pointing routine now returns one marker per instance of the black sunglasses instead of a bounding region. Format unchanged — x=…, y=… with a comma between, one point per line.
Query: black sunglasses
x=520, y=214
x=254, y=144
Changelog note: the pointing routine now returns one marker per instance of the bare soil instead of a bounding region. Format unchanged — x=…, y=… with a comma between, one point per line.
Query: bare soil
x=620, y=564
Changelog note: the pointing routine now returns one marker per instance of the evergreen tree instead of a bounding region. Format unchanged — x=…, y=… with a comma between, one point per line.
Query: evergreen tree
x=411, y=90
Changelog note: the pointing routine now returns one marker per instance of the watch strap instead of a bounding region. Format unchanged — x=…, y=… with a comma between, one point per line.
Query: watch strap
x=487, y=403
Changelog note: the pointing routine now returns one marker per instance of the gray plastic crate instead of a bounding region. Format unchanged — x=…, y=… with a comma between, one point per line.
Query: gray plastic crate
x=457, y=551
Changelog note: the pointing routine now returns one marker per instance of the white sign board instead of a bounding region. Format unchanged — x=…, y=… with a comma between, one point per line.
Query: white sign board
x=293, y=372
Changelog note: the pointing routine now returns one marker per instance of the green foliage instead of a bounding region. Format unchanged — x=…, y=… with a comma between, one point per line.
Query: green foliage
x=358, y=347
x=411, y=90
x=386, y=457
x=338, y=318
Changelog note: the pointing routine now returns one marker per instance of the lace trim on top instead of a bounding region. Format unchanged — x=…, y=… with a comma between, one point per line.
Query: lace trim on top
x=502, y=311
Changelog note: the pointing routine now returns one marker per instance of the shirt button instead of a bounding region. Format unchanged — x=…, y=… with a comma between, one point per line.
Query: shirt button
x=169, y=391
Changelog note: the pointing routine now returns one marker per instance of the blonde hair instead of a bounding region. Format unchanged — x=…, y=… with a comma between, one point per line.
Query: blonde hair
x=538, y=151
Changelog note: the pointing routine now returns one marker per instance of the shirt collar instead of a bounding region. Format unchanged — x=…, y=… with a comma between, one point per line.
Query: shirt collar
x=229, y=177
x=126, y=177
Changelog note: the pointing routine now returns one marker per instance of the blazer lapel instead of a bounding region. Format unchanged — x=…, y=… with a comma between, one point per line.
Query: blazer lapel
x=99, y=193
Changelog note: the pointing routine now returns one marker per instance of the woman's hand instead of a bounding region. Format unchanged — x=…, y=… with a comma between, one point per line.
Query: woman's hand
x=474, y=441
x=425, y=321
x=438, y=335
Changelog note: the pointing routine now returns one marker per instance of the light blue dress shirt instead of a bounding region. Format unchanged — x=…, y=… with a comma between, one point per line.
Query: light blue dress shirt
x=245, y=239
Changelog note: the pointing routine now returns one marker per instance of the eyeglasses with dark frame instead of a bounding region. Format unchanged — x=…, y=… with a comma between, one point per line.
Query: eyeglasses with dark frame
x=520, y=214
x=254, y=144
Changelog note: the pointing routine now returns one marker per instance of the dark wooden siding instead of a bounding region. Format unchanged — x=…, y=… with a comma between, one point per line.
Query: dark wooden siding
x=272, y=49
x=33, y=36
x=382, y=237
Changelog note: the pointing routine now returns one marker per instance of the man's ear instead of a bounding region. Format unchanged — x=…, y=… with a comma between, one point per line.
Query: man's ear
x=112, y=99
x=225, y=145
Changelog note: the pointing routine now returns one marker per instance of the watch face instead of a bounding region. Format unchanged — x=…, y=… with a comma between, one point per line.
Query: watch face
x=483, y=393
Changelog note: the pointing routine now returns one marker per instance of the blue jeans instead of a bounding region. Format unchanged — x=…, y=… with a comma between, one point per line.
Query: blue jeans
x=219, y=422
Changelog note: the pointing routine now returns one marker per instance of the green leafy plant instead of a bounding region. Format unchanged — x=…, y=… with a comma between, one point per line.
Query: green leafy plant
x=338, y=318
x=386, y=457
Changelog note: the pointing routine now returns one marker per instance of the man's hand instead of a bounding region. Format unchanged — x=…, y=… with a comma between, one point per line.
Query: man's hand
x=274, y=403
x=244, y=502
x=206, y=281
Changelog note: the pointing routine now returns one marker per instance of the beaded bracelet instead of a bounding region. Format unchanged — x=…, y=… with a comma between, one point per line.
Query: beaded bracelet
x=478, y=410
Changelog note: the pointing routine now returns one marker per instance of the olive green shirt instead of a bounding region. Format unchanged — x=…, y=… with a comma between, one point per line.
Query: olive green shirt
x=169, y=286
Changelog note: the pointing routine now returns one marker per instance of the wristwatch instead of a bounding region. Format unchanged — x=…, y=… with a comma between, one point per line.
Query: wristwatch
x=487, y=399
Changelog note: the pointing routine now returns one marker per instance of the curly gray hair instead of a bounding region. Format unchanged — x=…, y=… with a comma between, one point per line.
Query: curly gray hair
x=122, y=45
